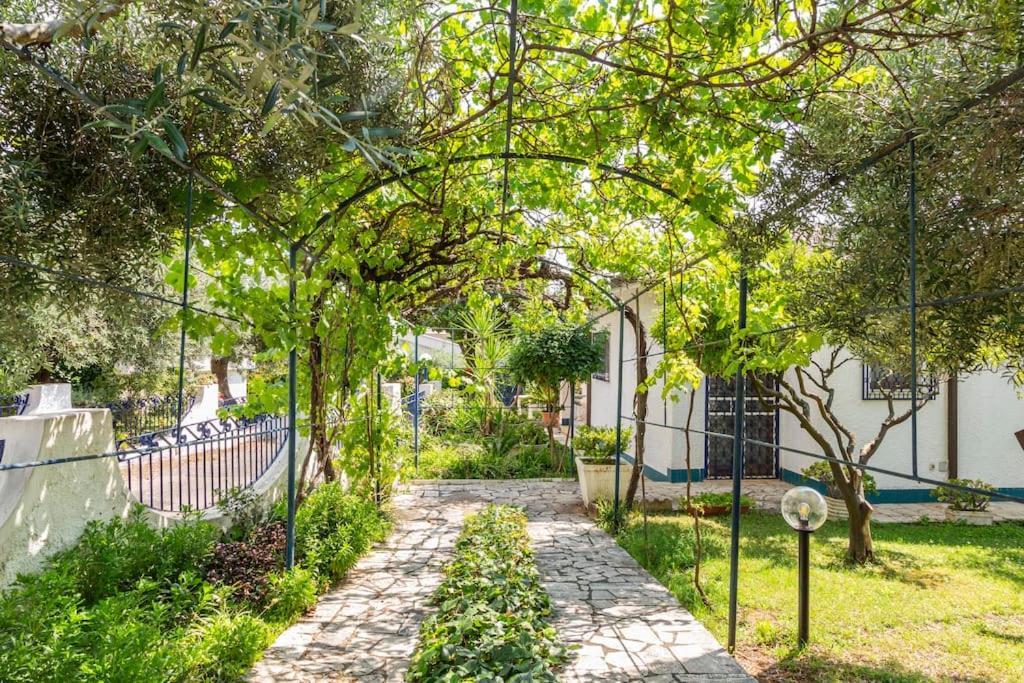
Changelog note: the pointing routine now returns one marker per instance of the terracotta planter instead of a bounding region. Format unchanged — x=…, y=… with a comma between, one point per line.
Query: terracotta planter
x=597, y=479
x=973, y=517
x=550, y=419
x=836, y=508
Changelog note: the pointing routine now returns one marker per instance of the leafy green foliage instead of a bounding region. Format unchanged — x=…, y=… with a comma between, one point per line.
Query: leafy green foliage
x=441, y=460
x=492, y=609
x=822, y=471
x=333, y=528
x=598, y=443
x=964, y=500
x=560, y=352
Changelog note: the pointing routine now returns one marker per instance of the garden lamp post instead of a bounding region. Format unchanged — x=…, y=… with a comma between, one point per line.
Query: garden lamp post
x=804, y=509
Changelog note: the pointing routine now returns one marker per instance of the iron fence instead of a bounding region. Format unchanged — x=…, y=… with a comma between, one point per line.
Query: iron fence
x=13, y=405
x=195, y=467
x=139, y=416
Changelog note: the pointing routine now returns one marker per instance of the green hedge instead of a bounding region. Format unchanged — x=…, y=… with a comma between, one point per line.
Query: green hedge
x=492, y=614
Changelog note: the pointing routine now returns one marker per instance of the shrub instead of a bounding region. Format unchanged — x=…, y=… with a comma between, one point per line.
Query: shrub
x=224, y=646
x=439, y=410
x=598, y=443
x=291, y=593
x=965, y=501
x=113, y=556
x=702, y=503
x=822, y=472
x=247, y=565
x=332, y=528
x=560, y=352
x=473, y=461
x=492, y=614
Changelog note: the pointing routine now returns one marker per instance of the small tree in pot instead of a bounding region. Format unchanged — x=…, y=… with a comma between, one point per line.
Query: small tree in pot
x=546, y=358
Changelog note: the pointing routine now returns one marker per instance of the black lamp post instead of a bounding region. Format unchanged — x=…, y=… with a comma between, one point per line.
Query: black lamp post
x=805, y=510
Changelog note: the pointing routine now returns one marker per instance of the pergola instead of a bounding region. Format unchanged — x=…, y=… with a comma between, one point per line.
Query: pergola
x=505, y=134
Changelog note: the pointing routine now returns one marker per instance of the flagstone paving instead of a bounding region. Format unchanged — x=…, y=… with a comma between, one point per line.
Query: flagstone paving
x=623, y=625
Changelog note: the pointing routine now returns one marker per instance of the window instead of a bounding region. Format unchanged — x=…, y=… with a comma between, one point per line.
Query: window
x=602, y=374
x=880, y=383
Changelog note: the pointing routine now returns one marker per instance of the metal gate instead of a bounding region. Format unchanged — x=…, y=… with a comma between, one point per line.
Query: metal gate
x=761, y=423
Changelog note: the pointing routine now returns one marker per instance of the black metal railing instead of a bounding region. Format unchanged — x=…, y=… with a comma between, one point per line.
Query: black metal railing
x=880, y=384
x=13, y=405
x=135, y=416
x=170, y=470
x=229, y=402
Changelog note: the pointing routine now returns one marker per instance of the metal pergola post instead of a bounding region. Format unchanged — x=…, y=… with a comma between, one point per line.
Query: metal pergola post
x=289, y=552
x=184, y=306
x=912, y=257
x=572, y=424
x=737, y=468
x=618, y=419
x=416, y=403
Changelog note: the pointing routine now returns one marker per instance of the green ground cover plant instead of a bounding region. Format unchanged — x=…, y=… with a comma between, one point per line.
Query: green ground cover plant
x=959, y=591
x=492, y=619
x=188, y=603
x=467, y=460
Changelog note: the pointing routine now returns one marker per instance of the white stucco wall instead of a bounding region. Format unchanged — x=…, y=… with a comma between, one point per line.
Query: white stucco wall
x=665, y=448
x=990, y=412
x=45, y=509
x=863, y=418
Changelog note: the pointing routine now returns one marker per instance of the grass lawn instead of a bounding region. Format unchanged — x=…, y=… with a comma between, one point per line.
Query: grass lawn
x=943, y=602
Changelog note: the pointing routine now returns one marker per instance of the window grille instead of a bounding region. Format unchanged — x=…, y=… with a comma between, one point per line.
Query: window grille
x=880, y=383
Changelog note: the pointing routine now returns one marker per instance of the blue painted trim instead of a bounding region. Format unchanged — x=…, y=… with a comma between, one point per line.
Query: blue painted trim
x=885, y=496
x=671, y=475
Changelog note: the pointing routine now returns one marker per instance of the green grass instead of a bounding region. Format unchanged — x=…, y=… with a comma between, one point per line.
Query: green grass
x=943, y=602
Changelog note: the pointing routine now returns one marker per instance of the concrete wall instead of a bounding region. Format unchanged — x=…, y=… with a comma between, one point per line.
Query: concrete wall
x=45, y=509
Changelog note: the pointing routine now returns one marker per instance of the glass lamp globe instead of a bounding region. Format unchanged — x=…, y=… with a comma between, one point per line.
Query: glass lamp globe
x=804, y=509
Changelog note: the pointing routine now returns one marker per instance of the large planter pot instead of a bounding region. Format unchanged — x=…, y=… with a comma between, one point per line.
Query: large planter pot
x=836, y=508
x=597, y=479
x=550, y=419
x=974, y=517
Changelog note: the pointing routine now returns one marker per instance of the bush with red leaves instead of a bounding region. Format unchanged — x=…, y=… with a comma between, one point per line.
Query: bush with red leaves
x=246, y=565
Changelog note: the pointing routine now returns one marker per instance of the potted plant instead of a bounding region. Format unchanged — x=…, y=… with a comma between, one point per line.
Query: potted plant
x=822, y=472
x=966, y=506
x=546, y=358
x=595, y=463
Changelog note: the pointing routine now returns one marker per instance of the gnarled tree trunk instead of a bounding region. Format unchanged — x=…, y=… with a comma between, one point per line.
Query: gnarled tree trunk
x=219, y=368
x=639, y=404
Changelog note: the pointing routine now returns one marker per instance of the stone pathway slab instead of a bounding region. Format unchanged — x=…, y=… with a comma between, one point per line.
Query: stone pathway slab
x=623, y=625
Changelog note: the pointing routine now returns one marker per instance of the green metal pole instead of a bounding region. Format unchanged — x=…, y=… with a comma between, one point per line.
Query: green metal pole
x=572, y=423
x=912, y=257
x=289, y=552
x=184, y=305
x=618, y=418
x=737, y=472
x=376, y=460
x=416, y=404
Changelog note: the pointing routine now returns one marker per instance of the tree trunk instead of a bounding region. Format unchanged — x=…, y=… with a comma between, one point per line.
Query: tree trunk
x=219, y=368
x=639, y=404
x=861, y=549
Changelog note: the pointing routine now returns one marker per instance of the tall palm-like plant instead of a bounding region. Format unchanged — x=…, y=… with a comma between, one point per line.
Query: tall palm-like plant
x=488, y=346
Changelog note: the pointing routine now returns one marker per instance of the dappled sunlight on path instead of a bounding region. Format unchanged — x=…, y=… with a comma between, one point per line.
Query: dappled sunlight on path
x=623, y=624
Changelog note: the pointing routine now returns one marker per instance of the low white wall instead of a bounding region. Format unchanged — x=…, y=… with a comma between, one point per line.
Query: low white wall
x=45, y=509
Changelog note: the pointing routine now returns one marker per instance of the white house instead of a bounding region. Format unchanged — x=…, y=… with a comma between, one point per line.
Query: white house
x=967, y=430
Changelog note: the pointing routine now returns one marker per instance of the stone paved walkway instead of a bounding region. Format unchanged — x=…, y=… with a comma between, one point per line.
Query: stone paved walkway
x=624, y=625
